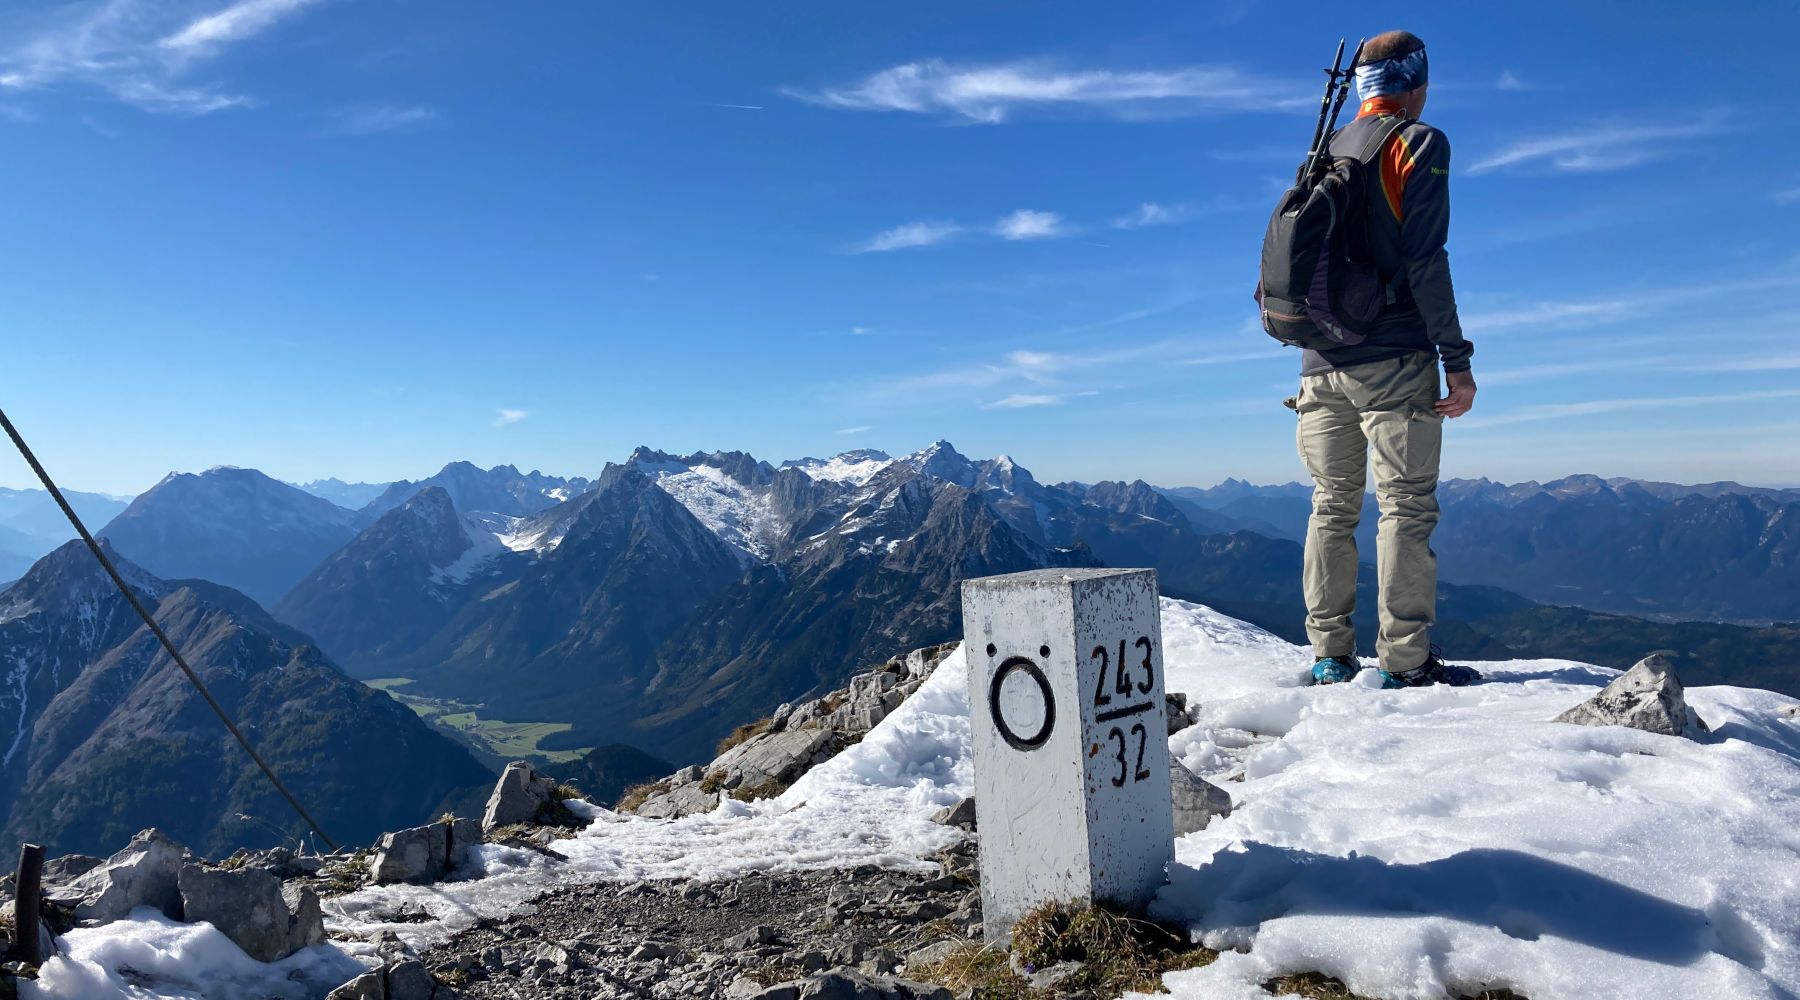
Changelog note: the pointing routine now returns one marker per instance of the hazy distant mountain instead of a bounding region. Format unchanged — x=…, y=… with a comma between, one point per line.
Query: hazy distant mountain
x=394, y=585
x=1730, y=556
x=502, y=489
x=31, y=524
x=1720, y=551
x=232, y=526
x=103, y=736
x=350, y=496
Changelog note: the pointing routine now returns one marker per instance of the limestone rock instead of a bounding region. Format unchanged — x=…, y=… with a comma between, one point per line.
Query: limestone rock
x=418, y=855
x=306, y=920
x=796, y=738
x=1648, y=696
x=682, y=800
x=961, y=815
x=1180, y=716
x=57, y=871
x=1195, y=800
x=146, y=873
x=409, y=981
x=777, y=757
x=518, y=796
x=367, y=986
x=245, y=904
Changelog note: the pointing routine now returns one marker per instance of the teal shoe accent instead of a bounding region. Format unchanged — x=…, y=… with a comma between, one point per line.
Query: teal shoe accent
x=1335, y=669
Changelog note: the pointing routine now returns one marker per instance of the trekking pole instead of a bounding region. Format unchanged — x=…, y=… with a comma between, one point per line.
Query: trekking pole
x=1331, y=76
x=1344, y=88
x=1325, y=107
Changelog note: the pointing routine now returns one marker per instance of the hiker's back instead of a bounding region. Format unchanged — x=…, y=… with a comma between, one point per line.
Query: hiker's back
x=1407, y=182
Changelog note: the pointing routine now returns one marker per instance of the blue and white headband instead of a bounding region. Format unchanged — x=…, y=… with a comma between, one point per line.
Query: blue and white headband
x=1404, y=72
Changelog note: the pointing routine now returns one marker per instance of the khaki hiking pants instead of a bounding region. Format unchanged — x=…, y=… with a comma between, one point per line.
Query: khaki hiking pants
x=1377, y=414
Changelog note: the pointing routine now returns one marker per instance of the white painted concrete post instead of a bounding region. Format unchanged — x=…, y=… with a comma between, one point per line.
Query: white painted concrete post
x=1070, y=739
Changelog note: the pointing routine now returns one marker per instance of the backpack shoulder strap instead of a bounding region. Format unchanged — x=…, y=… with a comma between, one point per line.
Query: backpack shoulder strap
x=1379, y=140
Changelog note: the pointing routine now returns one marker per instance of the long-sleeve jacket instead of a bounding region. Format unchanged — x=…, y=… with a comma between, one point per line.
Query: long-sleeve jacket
x=1409, y=222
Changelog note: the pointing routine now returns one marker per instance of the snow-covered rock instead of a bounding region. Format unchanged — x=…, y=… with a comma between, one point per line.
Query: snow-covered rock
x=1648, y=697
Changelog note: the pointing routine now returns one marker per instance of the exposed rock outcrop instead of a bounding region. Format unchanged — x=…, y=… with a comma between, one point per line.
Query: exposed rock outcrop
x=763, y=759
x=426, y=853
x=253, y=909
x=524, y=796
x=146, y=873
x=1649, y=696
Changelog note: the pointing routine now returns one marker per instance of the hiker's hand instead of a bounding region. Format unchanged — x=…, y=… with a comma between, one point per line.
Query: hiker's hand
x=1462, y=394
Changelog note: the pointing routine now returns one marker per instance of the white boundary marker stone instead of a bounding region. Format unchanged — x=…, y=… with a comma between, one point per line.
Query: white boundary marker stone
x=1070, y=739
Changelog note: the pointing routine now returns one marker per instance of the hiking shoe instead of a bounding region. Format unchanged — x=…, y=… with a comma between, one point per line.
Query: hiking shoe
x=1335, y=669
x=1433, y=671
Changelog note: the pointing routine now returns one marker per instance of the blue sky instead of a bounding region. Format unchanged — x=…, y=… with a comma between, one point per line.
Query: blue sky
x=361, y=238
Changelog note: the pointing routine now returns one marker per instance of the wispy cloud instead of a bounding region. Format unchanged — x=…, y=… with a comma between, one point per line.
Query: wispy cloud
x=1612, y=146
x=1510, y=81
x=238, y=21
x=991, y=94
x=1557, y=411
x=856, y=430
x=1755, y=363
x=1151, y=213
x=139, y=51
x=1026, y=224
x=1020, y=400
x=369, y=119
x=1554, y=313
x=912, y=234
x=509, y=417
x=740, y=107
x=1046, y=369
x=1787, y=196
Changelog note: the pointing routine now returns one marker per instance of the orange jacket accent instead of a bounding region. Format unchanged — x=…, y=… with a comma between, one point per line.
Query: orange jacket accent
x=1396, y=159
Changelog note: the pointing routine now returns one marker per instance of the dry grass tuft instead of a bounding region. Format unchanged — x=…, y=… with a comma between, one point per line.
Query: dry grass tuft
x=1313, y=986
x=742, y=733
x=637, y=794
x=769, y=975
x=1117, y=953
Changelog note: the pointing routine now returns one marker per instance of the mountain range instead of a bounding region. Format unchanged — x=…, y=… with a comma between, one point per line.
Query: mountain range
x=103, y=736
x=1717, y=551
x=683, y=594
x=674, y=597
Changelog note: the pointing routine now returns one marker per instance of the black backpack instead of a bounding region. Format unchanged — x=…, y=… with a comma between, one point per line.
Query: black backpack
x=1320, y=288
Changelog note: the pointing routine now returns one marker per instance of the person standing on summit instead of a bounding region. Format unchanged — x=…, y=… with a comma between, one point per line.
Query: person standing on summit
x=1376, y=403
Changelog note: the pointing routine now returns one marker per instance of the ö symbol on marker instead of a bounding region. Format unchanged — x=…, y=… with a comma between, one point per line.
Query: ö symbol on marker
x=1030, y=669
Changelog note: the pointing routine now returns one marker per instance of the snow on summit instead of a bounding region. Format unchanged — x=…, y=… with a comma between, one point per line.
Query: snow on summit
x=1416, y=844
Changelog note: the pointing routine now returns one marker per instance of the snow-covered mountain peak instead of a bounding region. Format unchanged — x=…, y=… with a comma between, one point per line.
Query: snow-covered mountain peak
x=852, y=468
x=941, y=460
x=728, y=492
